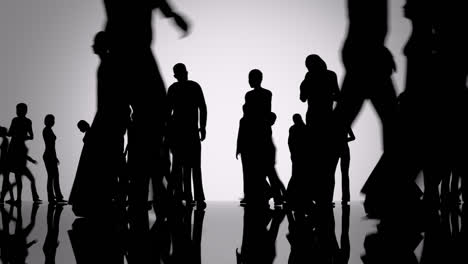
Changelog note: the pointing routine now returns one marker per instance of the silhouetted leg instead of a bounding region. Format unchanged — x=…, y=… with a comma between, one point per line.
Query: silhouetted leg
x=6, y=186
x=344, y=165
x=50, y=176
x=352, y=99
x=187, y=183
x=245, y=172
x=385, y=104
x=30, y=177
x=197, y=175
x=279, y=191
x=19, y=186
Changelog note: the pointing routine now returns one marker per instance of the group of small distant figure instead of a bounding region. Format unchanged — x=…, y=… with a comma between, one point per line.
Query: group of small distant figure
x=14, y=158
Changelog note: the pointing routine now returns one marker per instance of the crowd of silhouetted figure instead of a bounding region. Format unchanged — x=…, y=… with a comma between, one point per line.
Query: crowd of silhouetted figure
x=143, y=136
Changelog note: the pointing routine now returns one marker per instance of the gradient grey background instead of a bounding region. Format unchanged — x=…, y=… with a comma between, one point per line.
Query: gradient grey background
x=46, y=61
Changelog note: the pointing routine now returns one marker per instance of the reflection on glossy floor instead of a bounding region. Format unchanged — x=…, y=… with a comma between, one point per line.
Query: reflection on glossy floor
x=230, y=234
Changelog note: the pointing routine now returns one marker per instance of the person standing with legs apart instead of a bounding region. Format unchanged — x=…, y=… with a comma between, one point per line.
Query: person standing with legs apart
x=51, y=162
x=186, y=103
x=20, y=131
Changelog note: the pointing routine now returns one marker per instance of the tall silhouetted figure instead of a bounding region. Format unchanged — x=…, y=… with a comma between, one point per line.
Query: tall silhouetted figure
x=260, y=156
x=20, y=131
x=186, y=104
x=54, y=194
x=320, y=90
x=51, y=242
x=129, y=27
x=102, y=161
x=298, y=187
x=4, y=165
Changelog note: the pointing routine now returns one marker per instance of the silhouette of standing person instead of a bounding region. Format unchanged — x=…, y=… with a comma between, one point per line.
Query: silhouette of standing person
x=186, y=103
x=51, y=161
x=298, y=142
x=20, y=131
x=319, y=89
x=258, y=120
x=4, y=165
x=130, y=33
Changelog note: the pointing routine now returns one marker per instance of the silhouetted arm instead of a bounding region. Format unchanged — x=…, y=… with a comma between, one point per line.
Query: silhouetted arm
x=351, y=136
x=11, y=130
x=30, y=135
x=303, y=91
x=335, y=88
x=203, y=114
x=168, y=12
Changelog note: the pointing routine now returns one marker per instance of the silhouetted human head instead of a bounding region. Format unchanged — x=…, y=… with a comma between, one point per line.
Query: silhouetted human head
x=315, y=63
x=101, y=43
x=3, y=131
x=21, y=109
x=255, y=78
x=297, y=119
x=180, y=72
x=49, y=120
x=83, y=126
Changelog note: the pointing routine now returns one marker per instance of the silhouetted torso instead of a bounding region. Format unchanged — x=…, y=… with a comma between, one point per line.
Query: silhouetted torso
x=49, y=139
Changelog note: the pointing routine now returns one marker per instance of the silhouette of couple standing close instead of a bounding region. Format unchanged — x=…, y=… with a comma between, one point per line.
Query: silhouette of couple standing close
x=132, y=99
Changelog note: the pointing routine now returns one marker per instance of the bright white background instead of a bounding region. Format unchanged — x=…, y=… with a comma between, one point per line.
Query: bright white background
x=46, y=61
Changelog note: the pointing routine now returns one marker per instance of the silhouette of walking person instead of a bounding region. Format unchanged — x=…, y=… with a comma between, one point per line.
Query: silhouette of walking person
x=20, y=131
x=4, y=166
x=186, y=103
x=51, y=161
x=369, y=66
x=129, y=27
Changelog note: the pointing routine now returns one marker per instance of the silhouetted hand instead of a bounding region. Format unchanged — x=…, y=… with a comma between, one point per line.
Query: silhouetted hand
x=202, y=134
x=237, y=155
x=33, y=161
x=182, y=24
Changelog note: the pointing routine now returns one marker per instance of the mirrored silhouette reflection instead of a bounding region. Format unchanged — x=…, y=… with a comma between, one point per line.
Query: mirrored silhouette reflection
x=440, y=235
x=51, y=243
x=15, y=242
x=174, y=237
x=312, y=236
x=260, y=231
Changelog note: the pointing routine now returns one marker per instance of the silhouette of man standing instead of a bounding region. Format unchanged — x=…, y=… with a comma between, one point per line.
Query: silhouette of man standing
x=186, y=102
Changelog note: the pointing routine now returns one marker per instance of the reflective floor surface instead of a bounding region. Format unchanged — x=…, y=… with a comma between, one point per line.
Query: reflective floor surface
x=226, y=233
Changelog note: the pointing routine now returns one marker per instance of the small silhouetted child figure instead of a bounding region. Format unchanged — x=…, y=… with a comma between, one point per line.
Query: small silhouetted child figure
x=345, y=159
x=4, y=170
x=54, y=194
x=298, y=188
x=20, y=131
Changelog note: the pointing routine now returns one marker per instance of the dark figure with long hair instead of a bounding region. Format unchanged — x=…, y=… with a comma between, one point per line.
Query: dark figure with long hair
x=4, y=166
x=320, y=90
x=51, y=161
x=20, y=131
x=186, y=104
